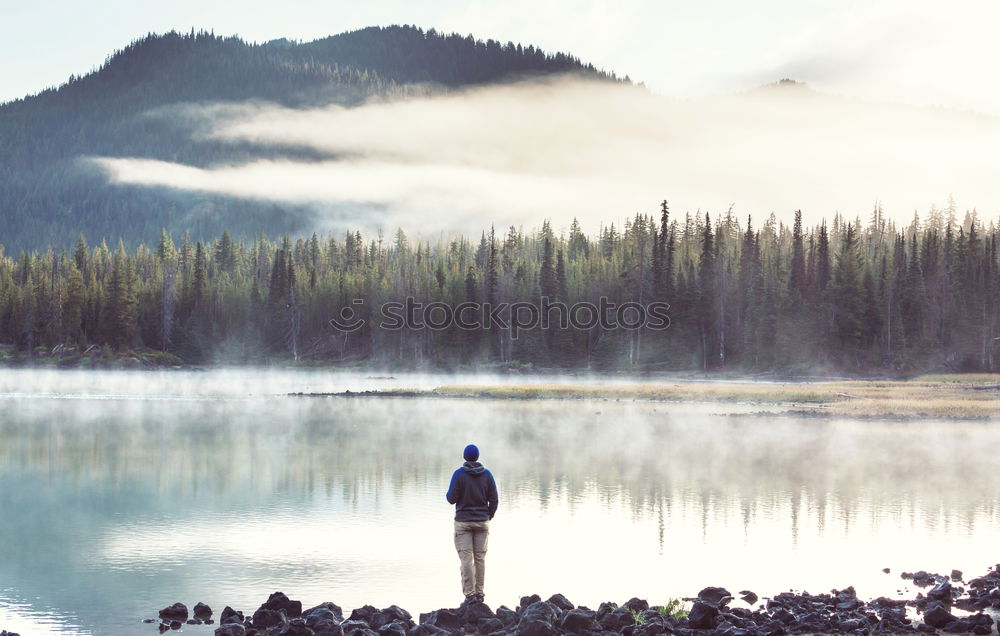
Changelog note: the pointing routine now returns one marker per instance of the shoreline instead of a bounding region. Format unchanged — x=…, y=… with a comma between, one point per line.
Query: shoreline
x=951, y=605
x=959, y=397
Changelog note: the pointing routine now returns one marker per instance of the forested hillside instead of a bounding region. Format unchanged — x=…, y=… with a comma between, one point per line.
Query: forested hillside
x=850, y=296
x=48, y=196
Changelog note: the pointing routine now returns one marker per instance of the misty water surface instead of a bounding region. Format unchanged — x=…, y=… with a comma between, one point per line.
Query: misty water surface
x=122, y=492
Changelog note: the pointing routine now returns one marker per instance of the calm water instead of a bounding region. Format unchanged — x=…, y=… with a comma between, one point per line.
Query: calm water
x=121, y=493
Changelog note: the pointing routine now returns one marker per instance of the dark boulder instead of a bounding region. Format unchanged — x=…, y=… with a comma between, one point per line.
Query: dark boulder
x=320, y=614
x=717, y=596
x=364, y=613
x=445, y=619
x=322, y=619
x=605, y=608
x=230, y=616
x=579, y=621
x=940, y=592
x=959, y=626
x=749, y=597
x=395, y=628
x=176, y=624
x=326, y=629
x=651, y=627
x=231, y=629
x=507, y=616
x=489, y=626
x=783, y=615
x=388, y=615
x=616, y=619
x=726, y=628
x=850, y=624
x=527, y=601
x=193, y=621
x=353, y=626
x=561, y=602
x=636, y=604
x=338, y=613
x=266, y=618
x=538, y=619
x=540, y=610
x=176, y=612
x=702, y=615
x=922, y=578
x=294, y=627
x=426, y=630
x=278, y=602
x=535, y=628
x=956, y=575
x=474, y=612
x=202, y=611
x=937, y=616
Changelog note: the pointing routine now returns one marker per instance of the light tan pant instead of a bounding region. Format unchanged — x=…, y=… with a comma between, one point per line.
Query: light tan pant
x=470, y=541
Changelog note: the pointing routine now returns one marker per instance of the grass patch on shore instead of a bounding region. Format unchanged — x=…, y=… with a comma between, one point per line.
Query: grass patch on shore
x=710, y=392
x=937, y=396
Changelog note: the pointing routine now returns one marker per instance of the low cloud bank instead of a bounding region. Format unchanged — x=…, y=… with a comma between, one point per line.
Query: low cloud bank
x=566, y=148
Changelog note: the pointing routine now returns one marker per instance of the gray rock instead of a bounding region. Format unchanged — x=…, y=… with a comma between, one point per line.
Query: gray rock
x=507, y=616
x=702, y=615
x=936, y=615
x=267, y=618
x=176, y=612
x=395, y=628
x=561, y=602
x=294, y=627
x=229, y=615
x=202, y=611
x=445, y=619
x=338, y=613
x=579, y=621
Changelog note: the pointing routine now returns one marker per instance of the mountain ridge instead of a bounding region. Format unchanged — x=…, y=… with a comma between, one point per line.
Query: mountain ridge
x=51, y=197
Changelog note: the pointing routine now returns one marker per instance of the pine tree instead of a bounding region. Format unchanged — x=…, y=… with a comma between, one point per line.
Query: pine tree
x=120, y=310
x=848, y=298
x=707, y=289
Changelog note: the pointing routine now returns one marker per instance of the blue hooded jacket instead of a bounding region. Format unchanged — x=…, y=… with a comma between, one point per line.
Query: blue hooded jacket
x=474, y=493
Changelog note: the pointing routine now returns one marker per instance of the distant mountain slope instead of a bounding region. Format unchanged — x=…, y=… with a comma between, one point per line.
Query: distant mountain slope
x=48, y=197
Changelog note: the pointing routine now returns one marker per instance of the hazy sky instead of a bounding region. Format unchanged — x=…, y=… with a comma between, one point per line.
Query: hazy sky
x=889, y=50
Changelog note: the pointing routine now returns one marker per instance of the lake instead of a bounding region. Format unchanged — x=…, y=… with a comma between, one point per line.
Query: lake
x=124, y=492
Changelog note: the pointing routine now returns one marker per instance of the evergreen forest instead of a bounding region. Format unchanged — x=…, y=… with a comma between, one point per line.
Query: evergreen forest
x=854, y=296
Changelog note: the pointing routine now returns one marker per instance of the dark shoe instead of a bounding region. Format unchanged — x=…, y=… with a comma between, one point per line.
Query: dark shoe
x=480, y=597
x=471, y=598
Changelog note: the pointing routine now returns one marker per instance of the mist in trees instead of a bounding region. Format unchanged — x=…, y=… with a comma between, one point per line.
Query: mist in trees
x=852, y=296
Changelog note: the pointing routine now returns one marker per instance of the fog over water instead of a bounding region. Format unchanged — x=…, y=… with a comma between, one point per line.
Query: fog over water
x=123, y=492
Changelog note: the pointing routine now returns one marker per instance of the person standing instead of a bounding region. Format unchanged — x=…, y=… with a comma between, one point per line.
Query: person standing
x=473, y=492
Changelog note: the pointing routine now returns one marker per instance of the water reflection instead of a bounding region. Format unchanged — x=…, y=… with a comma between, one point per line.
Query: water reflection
x=111, y=508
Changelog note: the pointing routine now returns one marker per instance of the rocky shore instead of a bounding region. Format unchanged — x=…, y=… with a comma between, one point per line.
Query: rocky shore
x=949, y=606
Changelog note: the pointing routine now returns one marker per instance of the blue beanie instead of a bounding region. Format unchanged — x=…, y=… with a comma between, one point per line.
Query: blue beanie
x=471, y=453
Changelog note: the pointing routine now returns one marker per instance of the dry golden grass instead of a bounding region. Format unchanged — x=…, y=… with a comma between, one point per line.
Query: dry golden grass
x=929, y=396
x=961, y=378
x=709, y=392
